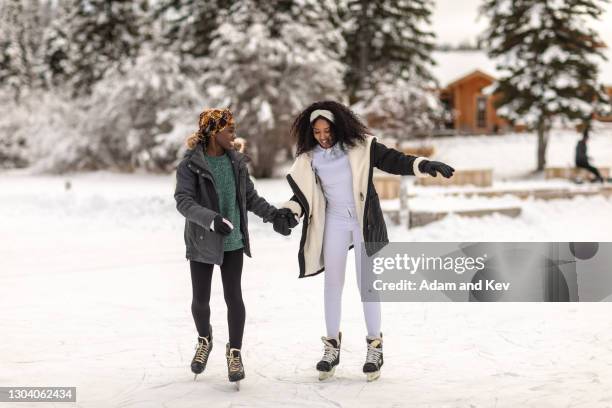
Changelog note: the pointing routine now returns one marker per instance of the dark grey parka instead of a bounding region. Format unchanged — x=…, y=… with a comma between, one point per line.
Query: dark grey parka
x=197, y=200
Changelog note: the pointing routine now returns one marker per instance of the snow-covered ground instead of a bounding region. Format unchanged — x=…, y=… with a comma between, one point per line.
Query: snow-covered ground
x=95, y=293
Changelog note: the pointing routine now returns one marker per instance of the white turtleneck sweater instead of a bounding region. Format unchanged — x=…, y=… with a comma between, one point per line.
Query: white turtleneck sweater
x=334, y=171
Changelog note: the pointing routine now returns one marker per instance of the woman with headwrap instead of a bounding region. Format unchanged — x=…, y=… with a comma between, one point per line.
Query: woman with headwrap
x=214, y=193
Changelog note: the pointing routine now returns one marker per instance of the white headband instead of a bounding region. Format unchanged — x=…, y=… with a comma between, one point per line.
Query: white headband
x=322, y=112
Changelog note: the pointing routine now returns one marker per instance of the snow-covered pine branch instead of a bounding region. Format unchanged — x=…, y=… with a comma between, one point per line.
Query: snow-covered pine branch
x=400, y=109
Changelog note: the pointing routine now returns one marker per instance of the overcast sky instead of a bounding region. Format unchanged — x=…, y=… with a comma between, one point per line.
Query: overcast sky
x=455, y=21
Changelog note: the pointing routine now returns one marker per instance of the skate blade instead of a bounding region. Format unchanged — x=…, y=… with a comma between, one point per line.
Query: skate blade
x=237, y=385
x=324, y=375
x=195, y=377
x=373, y=376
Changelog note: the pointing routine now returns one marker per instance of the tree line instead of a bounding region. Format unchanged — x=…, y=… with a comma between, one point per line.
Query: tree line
x=111, y=84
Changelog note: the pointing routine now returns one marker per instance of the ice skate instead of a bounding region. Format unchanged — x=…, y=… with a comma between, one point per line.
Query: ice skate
x=331, y=357
x=203, y=348
x=374, y=358
x=235, y=369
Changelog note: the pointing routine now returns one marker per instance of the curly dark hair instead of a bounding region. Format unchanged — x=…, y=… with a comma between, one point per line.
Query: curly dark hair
x=347, y=129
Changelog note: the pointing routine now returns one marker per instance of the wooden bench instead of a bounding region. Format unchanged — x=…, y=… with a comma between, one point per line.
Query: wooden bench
x=389, y=190
x=538, y=194
x=475, y=177
x=387, y=185
x=573, y=173
x=421, y=218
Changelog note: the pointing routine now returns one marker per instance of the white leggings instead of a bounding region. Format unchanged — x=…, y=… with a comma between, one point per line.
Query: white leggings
x=342, y=228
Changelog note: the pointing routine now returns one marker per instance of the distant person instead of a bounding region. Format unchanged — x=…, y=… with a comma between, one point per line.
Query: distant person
x=582, y=160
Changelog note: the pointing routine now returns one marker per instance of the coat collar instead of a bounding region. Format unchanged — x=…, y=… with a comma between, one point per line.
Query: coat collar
x=356, y=155
x=196, y=156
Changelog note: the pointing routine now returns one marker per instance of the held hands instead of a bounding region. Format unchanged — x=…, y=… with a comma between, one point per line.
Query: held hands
x=431, y=167
x=283, y=221
x=222, y=225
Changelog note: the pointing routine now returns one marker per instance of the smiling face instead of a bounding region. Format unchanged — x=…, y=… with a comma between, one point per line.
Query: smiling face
x=225, y=138
x=322, y=132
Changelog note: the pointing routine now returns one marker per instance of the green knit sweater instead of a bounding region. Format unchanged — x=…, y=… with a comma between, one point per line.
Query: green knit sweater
x=221, y=168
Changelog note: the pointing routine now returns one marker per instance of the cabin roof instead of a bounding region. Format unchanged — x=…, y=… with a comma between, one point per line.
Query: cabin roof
x=452, y=66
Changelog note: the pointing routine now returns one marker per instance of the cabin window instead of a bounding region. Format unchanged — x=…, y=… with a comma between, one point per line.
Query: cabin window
x=481, y=111
x=449, y=122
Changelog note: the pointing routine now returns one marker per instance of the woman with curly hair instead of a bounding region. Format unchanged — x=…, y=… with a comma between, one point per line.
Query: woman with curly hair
x=331, y=179
x=214, y=193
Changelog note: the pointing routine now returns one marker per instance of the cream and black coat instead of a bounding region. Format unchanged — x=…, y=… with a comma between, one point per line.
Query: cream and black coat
x=308, y=199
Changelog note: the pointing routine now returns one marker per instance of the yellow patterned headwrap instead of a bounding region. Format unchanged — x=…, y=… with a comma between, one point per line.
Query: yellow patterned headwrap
x=213, y=121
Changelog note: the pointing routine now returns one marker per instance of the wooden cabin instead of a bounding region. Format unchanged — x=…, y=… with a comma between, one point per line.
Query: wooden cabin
x=464, y=77
x=471, y=109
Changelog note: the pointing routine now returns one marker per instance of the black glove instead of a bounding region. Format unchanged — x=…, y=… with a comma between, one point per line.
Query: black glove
x=431, y=167
x=280, y=223
x=291, y=218
x=221, y=226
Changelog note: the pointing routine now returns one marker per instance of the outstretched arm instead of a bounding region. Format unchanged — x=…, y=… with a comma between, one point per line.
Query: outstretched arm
x=396, y=162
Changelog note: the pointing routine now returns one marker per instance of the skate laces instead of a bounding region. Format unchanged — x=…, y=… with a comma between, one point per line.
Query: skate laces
x=234, y=362
x=202, y=350
x=374, y=352
x=331, y=352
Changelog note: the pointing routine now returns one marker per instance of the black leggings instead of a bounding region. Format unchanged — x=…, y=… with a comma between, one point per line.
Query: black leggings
x=592, y=169
x=201, y=278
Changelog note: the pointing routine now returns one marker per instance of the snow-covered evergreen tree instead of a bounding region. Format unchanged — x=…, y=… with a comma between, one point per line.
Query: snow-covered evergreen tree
x=22, y=24
x=91, y=37
x=13, y=141
x=187, y=27
x=549, y=58
x=269, y=61
x=400, y=109
x=130, y=119
x=40, y=128
x=386, y=39
x=388, y=60
x=21, y=30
